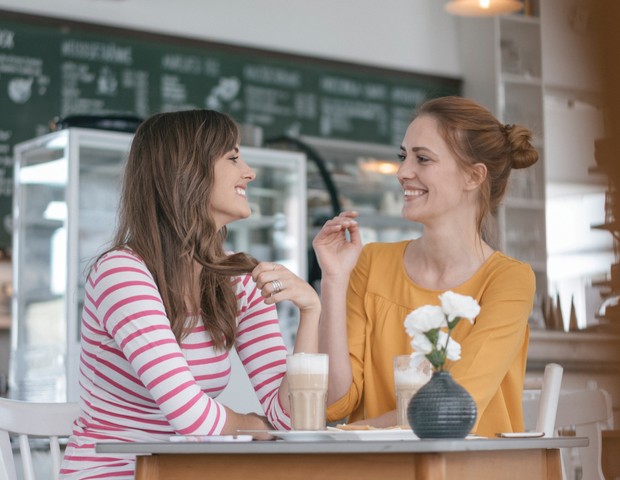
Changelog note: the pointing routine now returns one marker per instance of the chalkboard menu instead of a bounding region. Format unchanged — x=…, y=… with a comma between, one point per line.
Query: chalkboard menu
x=54, y=68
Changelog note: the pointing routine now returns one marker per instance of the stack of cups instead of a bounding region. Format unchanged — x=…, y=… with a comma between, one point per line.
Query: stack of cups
x=307, y=375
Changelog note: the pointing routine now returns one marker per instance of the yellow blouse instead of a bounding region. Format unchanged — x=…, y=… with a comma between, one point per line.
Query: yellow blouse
x=493, y=350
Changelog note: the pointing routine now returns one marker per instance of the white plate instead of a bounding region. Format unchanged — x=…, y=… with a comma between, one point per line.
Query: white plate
x=210, y=438
x=521, y=434
x=388, y=434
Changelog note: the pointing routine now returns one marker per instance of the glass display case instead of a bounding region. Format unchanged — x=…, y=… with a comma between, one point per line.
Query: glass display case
x=67, y=186
x=66, y=191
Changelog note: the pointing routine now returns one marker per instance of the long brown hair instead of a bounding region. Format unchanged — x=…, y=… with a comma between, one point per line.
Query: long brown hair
x=164, y=217
x=475, y=136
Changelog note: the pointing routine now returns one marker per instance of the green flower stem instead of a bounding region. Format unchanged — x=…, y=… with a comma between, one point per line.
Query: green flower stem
x=432, y=336
x=438, y=357
x=453, y=323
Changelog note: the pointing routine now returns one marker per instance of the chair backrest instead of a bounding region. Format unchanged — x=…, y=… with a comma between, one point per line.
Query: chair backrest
x=540, y=400
x=587, y=411
x=26, y=419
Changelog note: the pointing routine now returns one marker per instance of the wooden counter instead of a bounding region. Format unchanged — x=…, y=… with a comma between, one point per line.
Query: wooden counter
x=610, y=460
x=507, y=459
x=578, y=352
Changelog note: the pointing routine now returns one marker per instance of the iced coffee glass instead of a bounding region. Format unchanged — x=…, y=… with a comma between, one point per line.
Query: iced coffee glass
x=307, y=383
x=410, y=374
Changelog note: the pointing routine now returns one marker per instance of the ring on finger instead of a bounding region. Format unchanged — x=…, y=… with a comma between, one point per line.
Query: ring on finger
x=277, y=286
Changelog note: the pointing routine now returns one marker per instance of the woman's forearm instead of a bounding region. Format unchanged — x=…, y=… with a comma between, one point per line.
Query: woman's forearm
x=333, y=336
x=306, y=341
x=307, y=337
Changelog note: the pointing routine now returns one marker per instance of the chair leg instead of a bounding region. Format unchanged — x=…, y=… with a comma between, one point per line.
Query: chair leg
x=590, y=456
x=568, y=469
x=7, y=462
x=24, y=450
x=55, y=456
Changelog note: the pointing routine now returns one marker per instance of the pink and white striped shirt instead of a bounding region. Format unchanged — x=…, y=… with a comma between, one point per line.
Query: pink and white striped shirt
x=138, y=384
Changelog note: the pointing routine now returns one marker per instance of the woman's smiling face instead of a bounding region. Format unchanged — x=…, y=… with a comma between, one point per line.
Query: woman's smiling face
x=228, y=199
x=433, y=183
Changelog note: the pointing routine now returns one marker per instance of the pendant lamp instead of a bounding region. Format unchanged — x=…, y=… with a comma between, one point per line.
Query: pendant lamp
x=483, y=8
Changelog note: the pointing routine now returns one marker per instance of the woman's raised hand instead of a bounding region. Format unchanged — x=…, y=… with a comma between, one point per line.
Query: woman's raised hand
x=277, y=283
x=336, y=252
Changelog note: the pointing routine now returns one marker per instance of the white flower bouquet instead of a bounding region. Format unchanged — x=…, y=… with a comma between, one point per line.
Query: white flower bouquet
x=430, y=326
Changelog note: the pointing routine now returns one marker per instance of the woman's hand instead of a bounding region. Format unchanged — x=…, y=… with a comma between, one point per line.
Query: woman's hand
x=278, y=283
x=337, y=254
x=261, y=424
x=247, y=421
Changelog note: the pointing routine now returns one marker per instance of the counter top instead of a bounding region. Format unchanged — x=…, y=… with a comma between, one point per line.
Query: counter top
x=340, y=446
x=575, y=351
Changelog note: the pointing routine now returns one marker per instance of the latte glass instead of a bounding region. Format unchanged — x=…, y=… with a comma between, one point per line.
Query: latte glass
x=410, y=374
x=307, y=383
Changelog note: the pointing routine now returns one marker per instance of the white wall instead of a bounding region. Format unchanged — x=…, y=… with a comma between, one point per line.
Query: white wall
x=571, y=129
x=411, y=35
x=569, y=59
x=573, y=117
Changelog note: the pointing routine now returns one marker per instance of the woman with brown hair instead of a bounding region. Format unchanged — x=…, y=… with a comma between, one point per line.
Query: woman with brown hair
x=456, y=159
x=166, y=304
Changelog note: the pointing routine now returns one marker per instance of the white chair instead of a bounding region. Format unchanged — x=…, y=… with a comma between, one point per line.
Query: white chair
x=26, y=419
x=540, y=400
x=587, y=411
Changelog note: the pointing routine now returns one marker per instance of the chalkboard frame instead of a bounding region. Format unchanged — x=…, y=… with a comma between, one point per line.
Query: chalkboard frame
x=108, y=30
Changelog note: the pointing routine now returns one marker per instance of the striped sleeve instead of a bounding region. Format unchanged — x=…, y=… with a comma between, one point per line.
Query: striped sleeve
x=261, y=349
x=130, y=309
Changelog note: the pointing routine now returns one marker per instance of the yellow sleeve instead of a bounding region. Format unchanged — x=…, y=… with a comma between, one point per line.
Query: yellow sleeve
x=491, y=348
x=356, y=333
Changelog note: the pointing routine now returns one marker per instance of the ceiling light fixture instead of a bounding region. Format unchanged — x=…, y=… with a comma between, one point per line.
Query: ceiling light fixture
x=483, y=8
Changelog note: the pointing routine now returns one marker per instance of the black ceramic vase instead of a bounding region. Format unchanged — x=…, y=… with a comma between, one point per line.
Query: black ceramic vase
x=442, y=409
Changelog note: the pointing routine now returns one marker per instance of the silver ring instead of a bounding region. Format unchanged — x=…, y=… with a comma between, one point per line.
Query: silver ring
x=277, y=286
